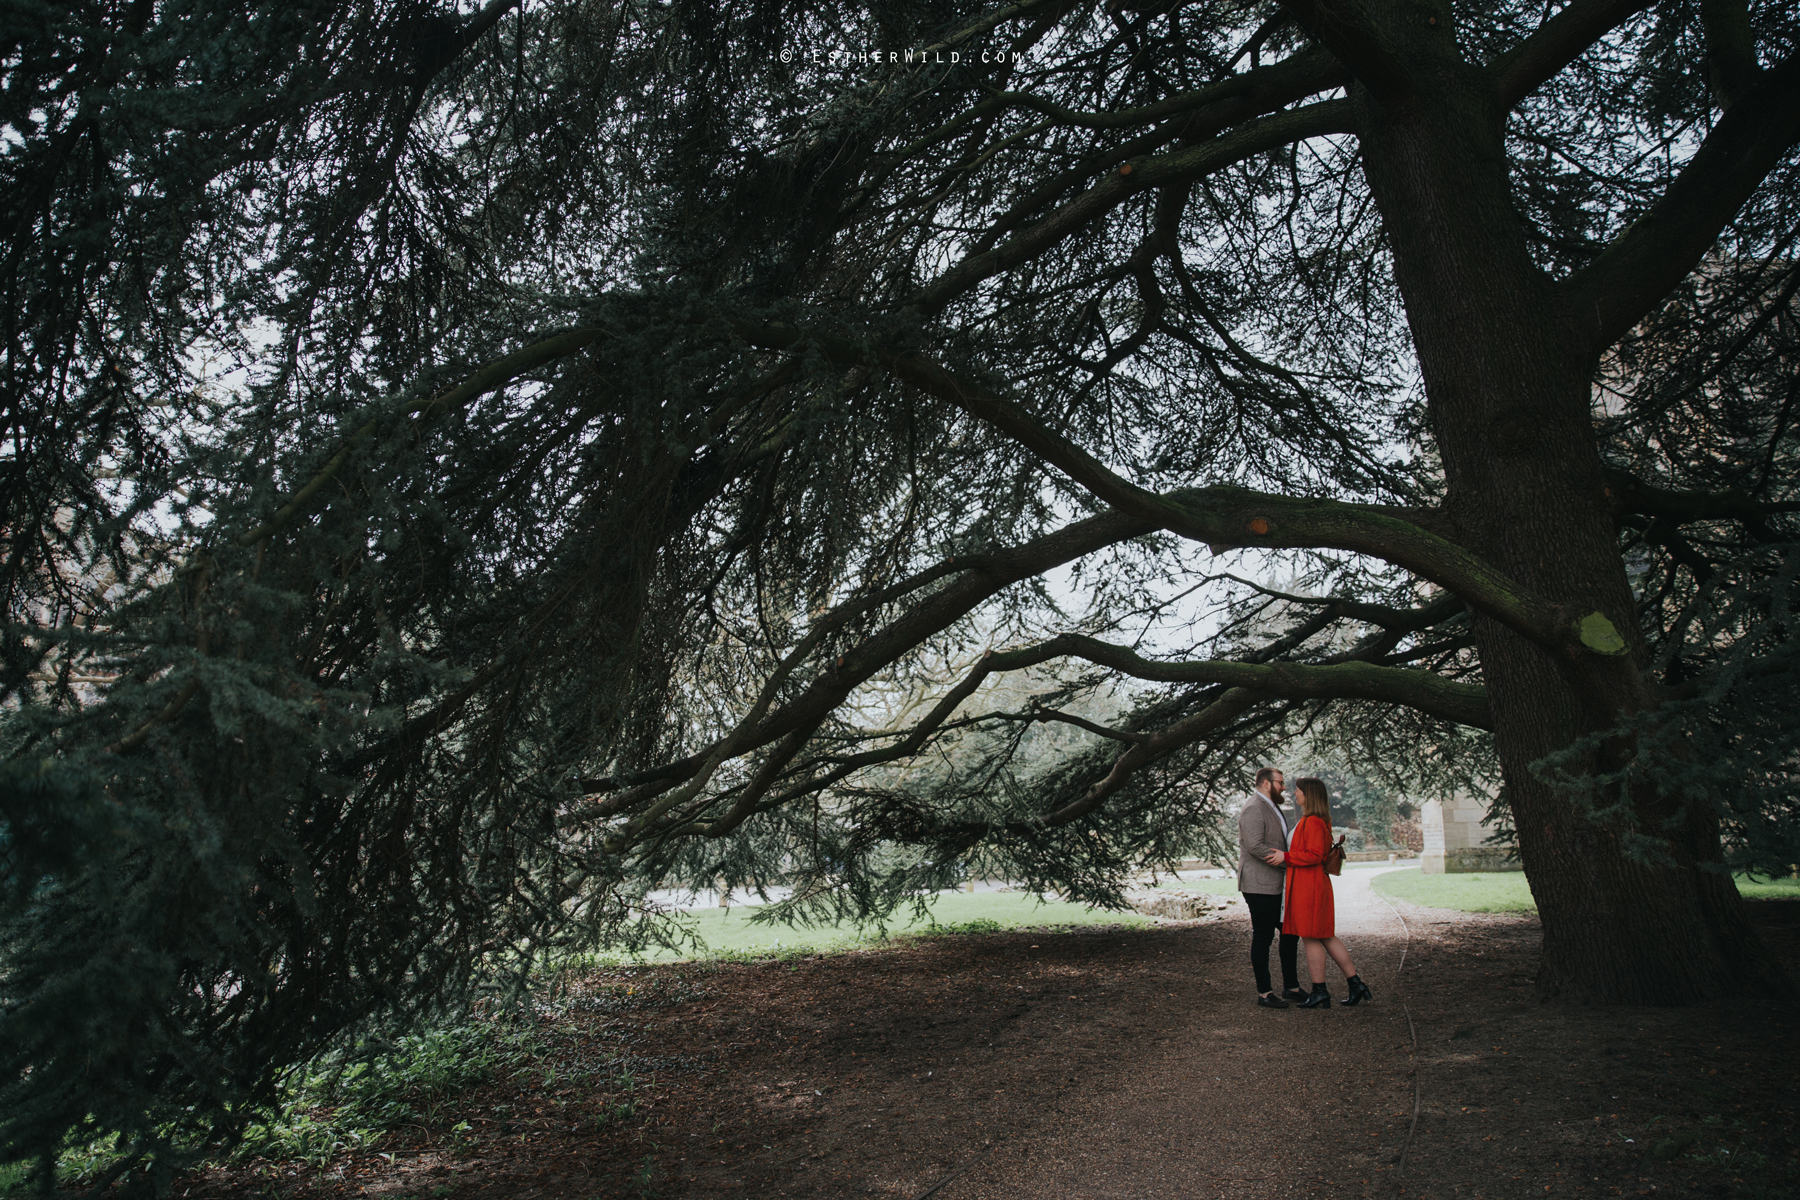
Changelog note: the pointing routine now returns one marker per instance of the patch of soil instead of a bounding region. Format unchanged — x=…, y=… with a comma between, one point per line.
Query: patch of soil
x=1113, y=1062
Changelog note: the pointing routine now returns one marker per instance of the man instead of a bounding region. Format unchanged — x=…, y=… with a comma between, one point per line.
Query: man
x=1263, y=831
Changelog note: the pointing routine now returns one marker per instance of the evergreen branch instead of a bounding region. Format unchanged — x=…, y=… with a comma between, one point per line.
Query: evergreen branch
x=979, y=579
x=1658, y=532
x=1257, y=92
x=167, y=713
x=1229, y=518
x=1247, y=683
x=492, y=377
x=1180, y=166
x=1630, y=494
x=1146, y=749
x=1233, y=703
x=1345, y=30
x=495, y=375
x=1555, y=44
x=645, y=784
x=1730, y=49
x=1426, y=691
x=1264, y=88
x=999, y=16
x=1637, y=271
x=1039, y=713
x=1396, y=620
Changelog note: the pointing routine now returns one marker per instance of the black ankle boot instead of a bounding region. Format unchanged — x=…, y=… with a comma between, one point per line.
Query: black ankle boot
x=1320, y=998
x=1359, y=991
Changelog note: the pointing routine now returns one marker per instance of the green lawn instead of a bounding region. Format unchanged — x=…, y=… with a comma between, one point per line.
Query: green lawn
x=1506, y=891
x=1768, y=889
x=1499, y=891
x=731, y=931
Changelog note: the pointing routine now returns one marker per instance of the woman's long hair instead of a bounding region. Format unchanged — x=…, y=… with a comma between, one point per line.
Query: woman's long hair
x=1315, y=801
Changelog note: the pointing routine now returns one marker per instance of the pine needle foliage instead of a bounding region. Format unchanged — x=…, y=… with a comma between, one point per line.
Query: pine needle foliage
x=467, y=468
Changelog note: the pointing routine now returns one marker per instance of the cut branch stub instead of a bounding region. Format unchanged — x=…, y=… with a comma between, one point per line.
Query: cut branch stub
x=1600, y=635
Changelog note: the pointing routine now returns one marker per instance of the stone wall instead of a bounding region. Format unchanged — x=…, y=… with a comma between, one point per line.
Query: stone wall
x=1454, y=835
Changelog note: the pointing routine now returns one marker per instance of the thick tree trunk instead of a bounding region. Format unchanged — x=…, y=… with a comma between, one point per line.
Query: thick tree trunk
x=1509, y=398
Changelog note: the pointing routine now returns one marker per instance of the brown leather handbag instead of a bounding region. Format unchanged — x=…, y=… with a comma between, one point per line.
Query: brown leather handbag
x=1334, y=857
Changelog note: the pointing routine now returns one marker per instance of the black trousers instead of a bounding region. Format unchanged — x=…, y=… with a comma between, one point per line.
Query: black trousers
x=1265, y=919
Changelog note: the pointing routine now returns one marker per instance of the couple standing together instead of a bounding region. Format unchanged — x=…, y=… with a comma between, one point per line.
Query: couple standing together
x=1277, y=856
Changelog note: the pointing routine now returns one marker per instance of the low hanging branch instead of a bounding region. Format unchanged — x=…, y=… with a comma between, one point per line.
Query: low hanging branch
x=1231, y=518
x=492, y=377
x=1247, y=684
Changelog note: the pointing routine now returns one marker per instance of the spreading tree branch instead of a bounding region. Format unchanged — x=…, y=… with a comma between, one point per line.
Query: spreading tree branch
x=1247, y=683
x=1132, y=178
x=1394, y=620
x=1556, y=43
x=1630, y=494
x=975, y=581
x=492, y=377
x=1229, y=517
x=1633, y=275
x=1730, y=49
x=1228, y=707
x=1426, y=691
x=1343, y=28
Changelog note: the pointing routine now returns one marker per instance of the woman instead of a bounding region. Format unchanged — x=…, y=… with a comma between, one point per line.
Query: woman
x=1309, y=911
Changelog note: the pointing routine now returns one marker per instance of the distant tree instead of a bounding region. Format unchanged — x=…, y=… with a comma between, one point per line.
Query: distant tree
x=464, y=469
x=1357, y=798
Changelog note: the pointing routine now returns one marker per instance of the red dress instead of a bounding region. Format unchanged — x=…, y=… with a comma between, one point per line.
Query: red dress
x=1309, y=911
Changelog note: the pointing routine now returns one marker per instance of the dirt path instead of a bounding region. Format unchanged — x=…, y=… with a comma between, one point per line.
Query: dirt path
x=1217, y=1109
x=1116, y=1063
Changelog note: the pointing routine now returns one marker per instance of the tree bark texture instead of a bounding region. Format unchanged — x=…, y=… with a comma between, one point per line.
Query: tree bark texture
x=1508, y=385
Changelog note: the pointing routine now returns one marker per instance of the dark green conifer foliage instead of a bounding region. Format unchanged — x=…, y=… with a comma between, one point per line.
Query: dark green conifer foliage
x=464, y=469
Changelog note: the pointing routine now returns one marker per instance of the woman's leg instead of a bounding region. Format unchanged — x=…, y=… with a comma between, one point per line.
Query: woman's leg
x=1315, y=959
x=1339, y=955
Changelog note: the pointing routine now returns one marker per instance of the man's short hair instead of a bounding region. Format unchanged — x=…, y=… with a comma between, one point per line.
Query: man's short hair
x=1267, y=773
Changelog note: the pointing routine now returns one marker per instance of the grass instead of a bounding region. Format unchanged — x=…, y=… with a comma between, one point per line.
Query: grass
x=1498, y=891
x=1768, y=889
x=14, y=1179
x=1506, y=891
x=350, y=1102
x=730, y=933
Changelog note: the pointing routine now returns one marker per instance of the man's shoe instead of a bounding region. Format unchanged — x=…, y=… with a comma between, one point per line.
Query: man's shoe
x=1270, y=1001
x=1293, y=993
x=1320, y=998
x=1359, y=991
